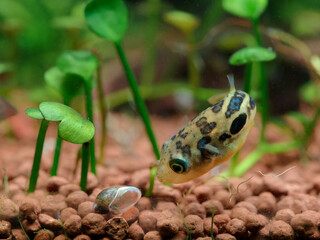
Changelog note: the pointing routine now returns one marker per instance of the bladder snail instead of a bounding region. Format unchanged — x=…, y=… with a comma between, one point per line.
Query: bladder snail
x=117, y=199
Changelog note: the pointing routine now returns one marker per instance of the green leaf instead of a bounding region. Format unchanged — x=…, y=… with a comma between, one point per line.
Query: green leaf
x=34, y=113
x=68, y=85
x=310, y=92
x=251, y=54
x=107, y=18
x=184, y=21
x=245, y=8
x=73, y=127
x=81, y=63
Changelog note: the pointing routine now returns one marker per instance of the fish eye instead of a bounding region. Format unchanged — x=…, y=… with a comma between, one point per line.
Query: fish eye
x=179, y=165
x=238, y=123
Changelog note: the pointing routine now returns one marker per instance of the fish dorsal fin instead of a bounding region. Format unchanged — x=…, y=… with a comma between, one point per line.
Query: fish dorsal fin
x=216, y=98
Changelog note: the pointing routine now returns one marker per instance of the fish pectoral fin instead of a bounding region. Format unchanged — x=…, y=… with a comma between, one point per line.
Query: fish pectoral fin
x=212, y=149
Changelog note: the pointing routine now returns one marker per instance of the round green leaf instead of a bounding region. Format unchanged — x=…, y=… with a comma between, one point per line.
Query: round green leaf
x=34, y=113
x=68, y=85
x=251, y=54
x=81, y=63
x=245, y=8
x=184, y=21
x=107, y=18
x=310, y=92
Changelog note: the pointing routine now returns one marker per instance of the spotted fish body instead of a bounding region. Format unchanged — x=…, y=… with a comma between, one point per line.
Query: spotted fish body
x=209, y=139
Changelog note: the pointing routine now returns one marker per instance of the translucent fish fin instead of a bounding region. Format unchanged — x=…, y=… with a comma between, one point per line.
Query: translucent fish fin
x=216, y=98
x=213, y=150
x=231, y=82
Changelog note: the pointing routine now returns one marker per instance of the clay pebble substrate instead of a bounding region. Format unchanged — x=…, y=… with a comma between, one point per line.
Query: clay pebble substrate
x=264, y=207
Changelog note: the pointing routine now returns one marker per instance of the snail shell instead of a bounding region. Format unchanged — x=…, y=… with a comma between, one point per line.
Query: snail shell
x=117, y=199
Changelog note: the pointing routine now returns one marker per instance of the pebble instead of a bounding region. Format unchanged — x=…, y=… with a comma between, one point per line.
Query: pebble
x=75, y=198
x=85, y=208
x=144, y=204
x=82, y=237
x=240, y=213
x=237, y=228
x=255, y=222
x=27, y=211
x=168, y=224
x=5, y=229
x=92, y=182
x=117, y=228
x=152, y=235
x=66, y=213
x=147, y=220
x=162, y=205
x=55, y=182
x=44, y=235
x=306, y=224
x=164, y=192
x=195, y=225
x=218, y=207
x=61, y=237
x=225, y=236
x=31, y=227
x=131, y=215
x=281, y=230
x=221, y=221
x=285, y=215
x=73, y=225
x=8, y=210
x=203, y=192
x=49, y=222
x=248, y=205
x=194, y=208
x=207, y=227
x=224, y=197
x=275, y=185
x=52, y=205
x=267, y=204
x=18, y=234
x=135, y=232
x=94, y=224
x=65, y=190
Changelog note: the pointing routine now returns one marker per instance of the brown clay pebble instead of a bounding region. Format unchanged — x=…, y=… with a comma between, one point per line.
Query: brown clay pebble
x=275, y=185
x=65, y=190
x=162, y=205
x=305, y=224
x=152, y=235
x=131, y=215
x=147, y=220
x=168, y=224
x=248, y=205
x=44, y=235
x=5, y=229
x=49, y=222
x=73, y=225
x=82, y=237
x=254, y=222
x=267, y=204
x=221, y=221
x=27, y=210
x=52, y=205
x=8, y=210
x=31, y=227
x=54, y=183
x=225, y=236
x=194, y=208
x=207, y=227
x=218, y=207
x=240, y=213
x=204, y=238
x=66, y=213
x=85, y=208
x=135, y=232
x=94, y=224
x=195, y=225
x=280, y=230
x=144, y=204
x=18, y=234
x=284, y=215
x=237, y=228
x=203, y=192
x=61, y=237
x=75, y=198
x=117, y=228
x=224, y=197
x=181, y=235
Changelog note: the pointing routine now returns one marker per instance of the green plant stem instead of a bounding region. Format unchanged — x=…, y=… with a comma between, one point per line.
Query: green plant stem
x=233, y=163
x=103, y=113
x=247, y=78
x=137, y=97
x=264, y=100
x=84, y=166
x=256, y=31
x=56, y=157
x=37, y=156
x=153, y=172
x=87, y=89
x=149, y=62
x=211, y=229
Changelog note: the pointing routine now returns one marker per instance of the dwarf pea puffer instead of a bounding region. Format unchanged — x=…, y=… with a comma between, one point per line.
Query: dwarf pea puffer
x=209, y=139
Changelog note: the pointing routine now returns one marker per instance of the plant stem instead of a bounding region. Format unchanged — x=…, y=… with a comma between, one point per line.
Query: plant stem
x=256, y=30
x=149, y=63
x=211, y=229
x=153, y=171
x=233, y=164
x=56, y=157
x=247, y=78
x=37, y=156
x=103, y=112
x=137, y=97
x=84, y=166
x=87, y=89
x=264, y=100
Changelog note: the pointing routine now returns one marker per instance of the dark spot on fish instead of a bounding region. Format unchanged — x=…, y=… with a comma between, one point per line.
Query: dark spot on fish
x=252, y=103
x=217, y=107
x=248, y=112
x=186, y=151
x=178, y=145
x=201, y=122
x=184, y=135
x=181, y=131
x=235, y=103
x=205, y=154
x=238, y=123
x=173, y=137
x=224, y=137
x=208, y=128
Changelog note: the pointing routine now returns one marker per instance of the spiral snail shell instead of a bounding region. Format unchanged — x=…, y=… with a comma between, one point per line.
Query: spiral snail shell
x=117, y=199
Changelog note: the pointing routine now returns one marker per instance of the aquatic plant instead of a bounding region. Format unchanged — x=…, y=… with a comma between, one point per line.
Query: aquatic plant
x=117, y=199
x=109, y=20
x=72, y=128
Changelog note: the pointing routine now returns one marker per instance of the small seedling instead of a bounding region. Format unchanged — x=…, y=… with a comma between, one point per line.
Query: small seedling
x=211, y=229
x=72, y=128
x=109, y=20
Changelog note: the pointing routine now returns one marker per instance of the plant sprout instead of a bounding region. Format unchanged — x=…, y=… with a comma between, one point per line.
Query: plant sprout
x=72, y=128
x=109, y=20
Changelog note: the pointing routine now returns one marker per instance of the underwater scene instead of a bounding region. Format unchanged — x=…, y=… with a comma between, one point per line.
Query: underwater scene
x=155, y=120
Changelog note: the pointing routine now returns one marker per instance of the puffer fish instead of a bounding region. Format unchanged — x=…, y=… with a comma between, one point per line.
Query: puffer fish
x=209, y=139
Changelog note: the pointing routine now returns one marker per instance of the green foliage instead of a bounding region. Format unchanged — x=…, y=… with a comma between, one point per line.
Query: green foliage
x=245, y=8
x=107, y=18
x=72, y=128
x=252, y=54
x=184, y=21
x=310, y=92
